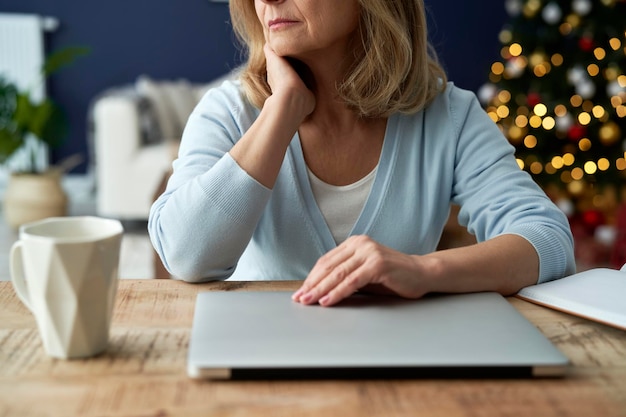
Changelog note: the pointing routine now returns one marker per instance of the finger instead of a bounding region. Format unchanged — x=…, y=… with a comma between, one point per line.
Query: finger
x=331, y=281
x=323, y=267
x=358, y=279
x=270, y=56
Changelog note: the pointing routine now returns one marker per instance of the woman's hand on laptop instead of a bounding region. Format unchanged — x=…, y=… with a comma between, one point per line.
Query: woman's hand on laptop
x=504, y=264
x=361, y=263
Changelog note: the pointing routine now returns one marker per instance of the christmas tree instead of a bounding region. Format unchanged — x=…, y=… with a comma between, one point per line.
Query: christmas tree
x=559, y=95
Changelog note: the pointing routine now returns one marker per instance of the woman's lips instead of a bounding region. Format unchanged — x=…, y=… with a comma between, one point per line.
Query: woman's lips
x=280, y=23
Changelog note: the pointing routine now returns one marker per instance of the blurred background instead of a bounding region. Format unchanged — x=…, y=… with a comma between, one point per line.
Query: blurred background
x=550, y=73
x=192, y=39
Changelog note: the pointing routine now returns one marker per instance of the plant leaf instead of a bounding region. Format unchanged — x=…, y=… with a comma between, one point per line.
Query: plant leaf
x=9, y=143
x=8, y=102
x=62, y=58
x=55, y=128
x=24, y=112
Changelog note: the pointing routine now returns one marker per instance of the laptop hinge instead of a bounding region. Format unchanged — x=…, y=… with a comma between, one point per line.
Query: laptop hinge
x=549, y=371
x=214, y=373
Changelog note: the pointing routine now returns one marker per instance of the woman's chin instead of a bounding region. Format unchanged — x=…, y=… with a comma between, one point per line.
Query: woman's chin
x=284, y=47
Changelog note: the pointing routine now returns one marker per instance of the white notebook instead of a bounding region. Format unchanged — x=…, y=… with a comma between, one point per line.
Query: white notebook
x=597, y=294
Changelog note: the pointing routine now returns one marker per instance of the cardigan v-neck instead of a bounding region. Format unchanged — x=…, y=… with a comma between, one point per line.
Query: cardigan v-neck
x=372, y=203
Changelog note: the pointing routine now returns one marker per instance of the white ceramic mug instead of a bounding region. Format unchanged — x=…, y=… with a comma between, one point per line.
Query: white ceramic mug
x=65, y=270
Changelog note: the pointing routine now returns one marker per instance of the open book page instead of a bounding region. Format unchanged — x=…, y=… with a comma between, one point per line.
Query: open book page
x=597, y=294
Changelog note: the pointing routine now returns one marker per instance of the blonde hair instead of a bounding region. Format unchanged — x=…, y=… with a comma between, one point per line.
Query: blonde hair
x=395, y=70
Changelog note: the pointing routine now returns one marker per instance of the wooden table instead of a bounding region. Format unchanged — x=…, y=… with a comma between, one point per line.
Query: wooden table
x=143, y=372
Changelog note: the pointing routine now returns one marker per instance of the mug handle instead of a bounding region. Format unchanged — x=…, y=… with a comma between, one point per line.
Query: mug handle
x=17, y=274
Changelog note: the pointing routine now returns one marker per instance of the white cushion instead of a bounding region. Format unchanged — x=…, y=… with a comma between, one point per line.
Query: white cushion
x=173, y=102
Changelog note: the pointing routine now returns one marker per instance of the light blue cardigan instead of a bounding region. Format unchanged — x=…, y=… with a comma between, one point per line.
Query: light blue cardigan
x=214, y=221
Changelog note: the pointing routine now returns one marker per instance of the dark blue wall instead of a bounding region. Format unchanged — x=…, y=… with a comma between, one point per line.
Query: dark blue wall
x=193, y=40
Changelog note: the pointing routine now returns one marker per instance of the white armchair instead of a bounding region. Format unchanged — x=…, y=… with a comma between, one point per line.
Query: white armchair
x=135, y=132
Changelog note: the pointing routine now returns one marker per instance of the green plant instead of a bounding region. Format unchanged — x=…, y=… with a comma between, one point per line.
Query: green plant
x=21, y=117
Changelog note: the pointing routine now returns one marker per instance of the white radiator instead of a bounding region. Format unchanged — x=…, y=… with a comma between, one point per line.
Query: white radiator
x=22, y=55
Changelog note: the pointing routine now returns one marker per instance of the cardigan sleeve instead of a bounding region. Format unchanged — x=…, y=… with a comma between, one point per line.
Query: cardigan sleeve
x=204, y=220
x=496, y=197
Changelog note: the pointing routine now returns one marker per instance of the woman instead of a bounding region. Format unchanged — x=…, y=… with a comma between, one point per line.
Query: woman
x=335, y=159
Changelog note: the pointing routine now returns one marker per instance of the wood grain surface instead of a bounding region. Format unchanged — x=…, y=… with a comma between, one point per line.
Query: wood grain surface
x=143, y=371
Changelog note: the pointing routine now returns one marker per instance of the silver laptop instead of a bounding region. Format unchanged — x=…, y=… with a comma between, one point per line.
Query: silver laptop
x=265, y=335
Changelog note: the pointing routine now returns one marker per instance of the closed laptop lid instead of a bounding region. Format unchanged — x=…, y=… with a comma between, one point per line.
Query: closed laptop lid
x=253, y=335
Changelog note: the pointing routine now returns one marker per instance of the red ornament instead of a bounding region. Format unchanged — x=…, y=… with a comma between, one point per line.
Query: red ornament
x=576, y=132
x=592, y=219
x=585, y=44
x=533, y=99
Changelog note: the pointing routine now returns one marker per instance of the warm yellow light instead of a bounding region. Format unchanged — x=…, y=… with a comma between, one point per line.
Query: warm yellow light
x=520, y=163
x=598, y=111
x=599, y=53
x=537, y=58
x=515, y=49
x=560, y=110
x=521, y=121
x=609, y=133
x=620, y=164
x=615, y=43
x=548, y=123
x=503, y=111
x=504, y=53
x=557, y=162
x=576, y=187
x=504, y=96
x=550, y=169
x=536, y=168
x=566, y=177
x=611, y=73
x=616, y=101
x=493, y=116
x=540, y=109
x=603, y=164
x=598, y=200
x=565, y=29
x=576, y=100
x=621, y=80
x=621, y=111
x=530, y=141
x=577, y=174
x=557, y=60
x=573, y=19
x=584, y=118
x=588, y=106
x=531, y=8
x=515, y=134
x=568, y=159
x=497, y=68
x=590, y=167
x=593, y=70
x=535, y=121
x=540, y=70
x=584, y=144
x=505, y=36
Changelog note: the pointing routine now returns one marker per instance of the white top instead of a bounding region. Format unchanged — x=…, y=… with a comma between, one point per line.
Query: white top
x=341, y=205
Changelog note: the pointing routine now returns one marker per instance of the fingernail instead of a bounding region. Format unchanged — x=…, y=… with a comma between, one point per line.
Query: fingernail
x=324, y=300
x=306, y=298
x=296, y=295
